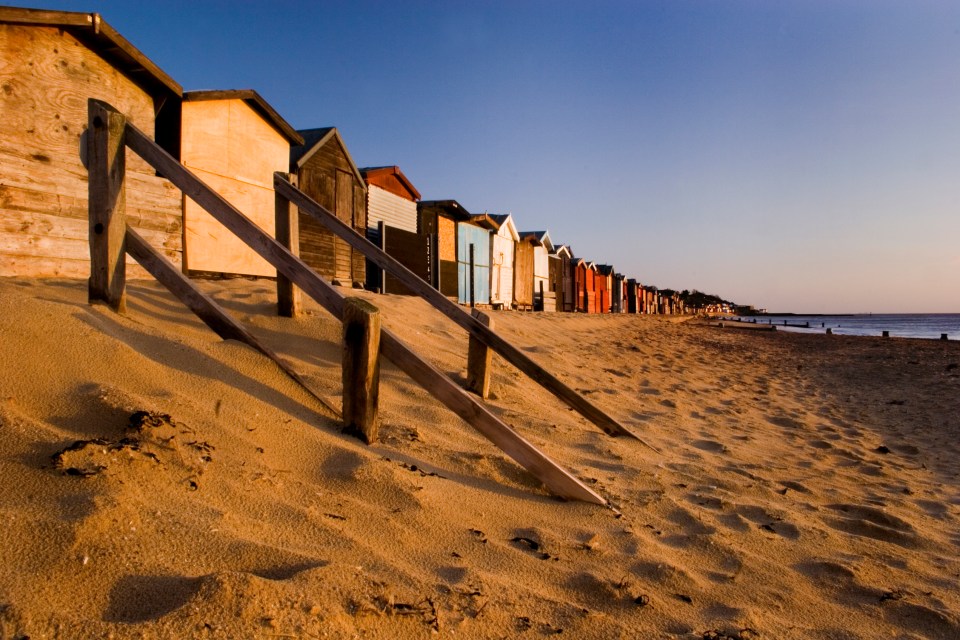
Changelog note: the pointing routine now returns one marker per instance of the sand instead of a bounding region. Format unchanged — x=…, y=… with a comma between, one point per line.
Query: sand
x=806, y=486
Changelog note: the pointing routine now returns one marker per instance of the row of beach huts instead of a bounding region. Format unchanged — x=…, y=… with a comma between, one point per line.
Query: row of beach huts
x=52, y=62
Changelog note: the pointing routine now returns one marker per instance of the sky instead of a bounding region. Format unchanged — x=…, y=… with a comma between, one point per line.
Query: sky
x=795, y=155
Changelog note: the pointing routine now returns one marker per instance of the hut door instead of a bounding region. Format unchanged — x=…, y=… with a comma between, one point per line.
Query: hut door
x=344, y=211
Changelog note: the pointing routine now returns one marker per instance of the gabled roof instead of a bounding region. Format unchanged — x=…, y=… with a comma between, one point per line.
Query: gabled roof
x=540, y=238
x=485, y=220
x=564, y=248
x=450, y=207
x=381, y=176
x=255, y=102
x=313, y=141
x=606, y=269
x=94, y=32
x=506, y=220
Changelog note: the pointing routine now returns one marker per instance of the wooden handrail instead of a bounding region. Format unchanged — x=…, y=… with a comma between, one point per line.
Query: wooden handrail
x=453, y=311
x=553, y=476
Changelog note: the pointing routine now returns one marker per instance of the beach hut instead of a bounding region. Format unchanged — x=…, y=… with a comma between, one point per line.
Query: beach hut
x=606, y=288
x=502, y=254
x=473, y=260
x=234, y=141
x=585, y=283
x=562, y=278
x=392, y=225
x=440, y=218
x=632, y=296
x=326, y=172
x=523, y=265
x=51, y=63
x=544, y=295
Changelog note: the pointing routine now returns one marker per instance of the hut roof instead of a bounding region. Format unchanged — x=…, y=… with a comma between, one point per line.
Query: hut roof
x=316, y=139
x=387, y=177
x=94, y=32
x=540, y=238
x=564, y=248
x=506, y=220
x=450, y=207
x=606, y=269
x=256, y=102
x=485, y=220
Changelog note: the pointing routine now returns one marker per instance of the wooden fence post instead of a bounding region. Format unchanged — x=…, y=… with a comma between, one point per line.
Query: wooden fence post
x=289, y=297
x=361, y=368
x=382, y=228
x=107, y=203
x=479, y=360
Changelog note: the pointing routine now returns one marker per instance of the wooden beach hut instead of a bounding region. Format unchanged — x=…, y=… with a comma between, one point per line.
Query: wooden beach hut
x=234, y=141
x=544, y=295
x=502, y=255
x=585, y=277
x=326, y=172
x=473, y=260
x=392, y=224
x=440, y=218
x=523, y=265
x=632, y=296
x=51, y=63
x=605, y=287
x=562, y=278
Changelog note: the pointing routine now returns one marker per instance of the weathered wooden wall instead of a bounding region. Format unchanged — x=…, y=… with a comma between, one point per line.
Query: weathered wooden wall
x=328, y=177
x=523, y=274
x=412, y=250
x=235, y=151
x=46, y=76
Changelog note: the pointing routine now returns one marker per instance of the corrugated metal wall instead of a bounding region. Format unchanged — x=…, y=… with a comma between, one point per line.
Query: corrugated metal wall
x=468, y=234
x=395, y=211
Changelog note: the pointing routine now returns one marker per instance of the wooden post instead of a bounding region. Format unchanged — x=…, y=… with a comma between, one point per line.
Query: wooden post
x=543, y=306
x=107, y=203
x=361, y=368
x=473, y=301
x=479, y=359
x=289, y=298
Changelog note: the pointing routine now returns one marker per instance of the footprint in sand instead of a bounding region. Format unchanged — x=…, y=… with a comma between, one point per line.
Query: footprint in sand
x=871, y=522
x=710, y=446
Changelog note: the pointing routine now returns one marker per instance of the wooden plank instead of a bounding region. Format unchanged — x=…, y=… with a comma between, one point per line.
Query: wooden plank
x=479, y=360
x=361, y=368
x=205, y=307
x=105, y=153
x=510, y=353
x=479, y=417
x=289, y=298
x=436, y=383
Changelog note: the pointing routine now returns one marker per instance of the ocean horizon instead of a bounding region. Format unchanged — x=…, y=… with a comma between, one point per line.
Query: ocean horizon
x=899, y=325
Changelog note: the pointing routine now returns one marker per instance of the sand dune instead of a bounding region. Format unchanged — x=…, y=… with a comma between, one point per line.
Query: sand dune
x=804, y=486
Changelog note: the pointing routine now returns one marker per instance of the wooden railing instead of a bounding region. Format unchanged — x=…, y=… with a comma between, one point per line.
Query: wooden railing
x=110, y=239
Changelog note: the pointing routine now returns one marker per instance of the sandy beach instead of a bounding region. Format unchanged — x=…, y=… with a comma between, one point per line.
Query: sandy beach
x=803, y=486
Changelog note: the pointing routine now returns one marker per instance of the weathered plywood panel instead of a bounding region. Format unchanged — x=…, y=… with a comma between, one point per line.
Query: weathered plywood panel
x=234, y=150
x=47, y=76
x=447, y=238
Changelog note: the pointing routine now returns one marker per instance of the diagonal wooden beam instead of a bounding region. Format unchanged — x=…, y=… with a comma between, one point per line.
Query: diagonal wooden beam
x=453, y=311
x=552, y=475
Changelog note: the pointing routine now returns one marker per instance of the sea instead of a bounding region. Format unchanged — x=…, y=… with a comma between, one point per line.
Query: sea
x=900, y=325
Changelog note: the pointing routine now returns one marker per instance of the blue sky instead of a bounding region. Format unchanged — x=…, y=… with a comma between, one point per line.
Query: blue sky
x=795, y=155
